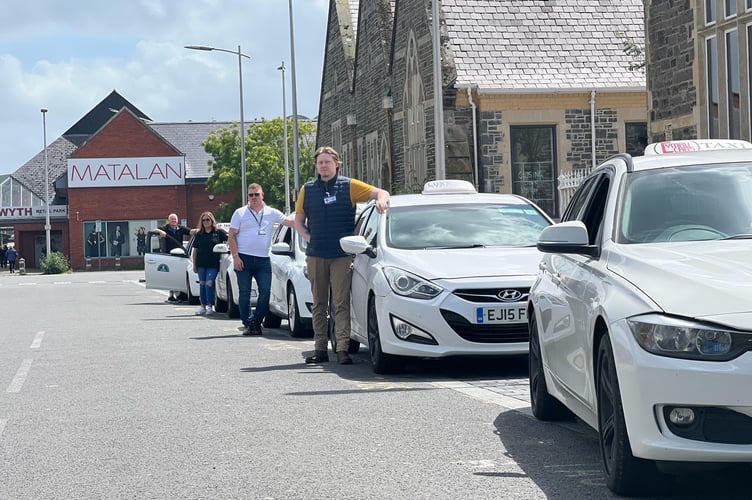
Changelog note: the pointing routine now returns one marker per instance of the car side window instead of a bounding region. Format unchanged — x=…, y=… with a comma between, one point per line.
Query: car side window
x=589, y=205
x=370, y=227
x=360, y=223
x=579, y=200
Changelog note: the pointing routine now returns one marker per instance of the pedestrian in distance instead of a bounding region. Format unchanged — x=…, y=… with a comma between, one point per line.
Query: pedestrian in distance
x=324, y=213
x=173, y=234
x=11, y=255
x=3, y=256
x=205, y=261
x=251, y=230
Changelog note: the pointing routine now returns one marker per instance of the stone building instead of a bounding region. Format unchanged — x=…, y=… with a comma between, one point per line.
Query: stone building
x=530, y=90
x=697, y=54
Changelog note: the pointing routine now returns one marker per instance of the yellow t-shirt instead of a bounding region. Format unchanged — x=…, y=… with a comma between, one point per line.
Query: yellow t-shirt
x=359, y=192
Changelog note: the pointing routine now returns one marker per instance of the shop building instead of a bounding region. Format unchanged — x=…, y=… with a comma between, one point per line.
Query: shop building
x=114, y=175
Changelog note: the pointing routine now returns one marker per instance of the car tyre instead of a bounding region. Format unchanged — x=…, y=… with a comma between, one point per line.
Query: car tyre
x=297, y=329
x=192, y=299
x=219, y=305
x=271, y=320
x=233, y=311
x=382, y=362
x=544, y=406
x=626, y=475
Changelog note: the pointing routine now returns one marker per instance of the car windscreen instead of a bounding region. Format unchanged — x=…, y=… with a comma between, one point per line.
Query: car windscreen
x=689, y=203
x=463, y=225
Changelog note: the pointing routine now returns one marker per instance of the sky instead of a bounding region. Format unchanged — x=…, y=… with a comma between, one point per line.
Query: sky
x=68, y=56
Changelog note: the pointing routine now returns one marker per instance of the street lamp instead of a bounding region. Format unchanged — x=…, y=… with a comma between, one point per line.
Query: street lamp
x=47, y=226
x=242, y=122
x=284, y=122
x=295, y=161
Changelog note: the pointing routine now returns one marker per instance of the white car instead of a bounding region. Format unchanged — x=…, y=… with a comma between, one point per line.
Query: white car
x=170, y=271
x=443, y=273
x=226, y=291
x=290, y=296
x=641, y=316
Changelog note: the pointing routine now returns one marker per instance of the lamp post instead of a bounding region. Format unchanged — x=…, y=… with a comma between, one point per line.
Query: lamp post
x=242, y=122
x=284, y=122
x=438, y=103
x=295, y=160
x=47, y=226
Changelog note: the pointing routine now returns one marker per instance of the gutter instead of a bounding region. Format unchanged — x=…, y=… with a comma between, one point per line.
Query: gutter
x=475, y=135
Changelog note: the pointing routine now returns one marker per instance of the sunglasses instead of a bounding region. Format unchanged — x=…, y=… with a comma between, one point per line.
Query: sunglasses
x=206, y=220
x=254, y=194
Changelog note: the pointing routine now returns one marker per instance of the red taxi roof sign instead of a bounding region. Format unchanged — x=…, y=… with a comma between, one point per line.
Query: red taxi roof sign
x=670, y=147
x=448, y=186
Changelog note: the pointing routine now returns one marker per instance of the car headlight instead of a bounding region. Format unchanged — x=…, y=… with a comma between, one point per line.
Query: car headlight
x=681, y=338
x=410, y=285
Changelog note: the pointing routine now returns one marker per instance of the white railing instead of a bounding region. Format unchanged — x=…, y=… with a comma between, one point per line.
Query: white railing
x=568, y=183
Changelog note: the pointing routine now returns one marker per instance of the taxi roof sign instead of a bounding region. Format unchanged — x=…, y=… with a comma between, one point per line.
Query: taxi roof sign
x=690, y=146
x=448, y=186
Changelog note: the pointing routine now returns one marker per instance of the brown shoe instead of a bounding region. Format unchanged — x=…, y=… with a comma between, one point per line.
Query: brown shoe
x=343, y=358
x=318, y=357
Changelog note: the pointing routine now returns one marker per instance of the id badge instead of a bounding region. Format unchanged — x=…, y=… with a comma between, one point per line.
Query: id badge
x=328, y=200
x=261, y=232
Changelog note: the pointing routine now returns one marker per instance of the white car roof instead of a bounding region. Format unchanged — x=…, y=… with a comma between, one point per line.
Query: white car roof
x=407, y=200
x=694, y=152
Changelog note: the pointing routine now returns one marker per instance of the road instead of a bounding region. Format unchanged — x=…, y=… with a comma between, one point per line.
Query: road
x=106, y=391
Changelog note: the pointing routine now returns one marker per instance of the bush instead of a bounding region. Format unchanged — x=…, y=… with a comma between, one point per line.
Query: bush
x=55, y=263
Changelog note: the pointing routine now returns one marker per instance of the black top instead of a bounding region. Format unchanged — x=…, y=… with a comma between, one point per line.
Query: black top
x=174, y=237
x=204, y=243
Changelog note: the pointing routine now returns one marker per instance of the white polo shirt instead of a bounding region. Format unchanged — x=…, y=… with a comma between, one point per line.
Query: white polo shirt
x=255, y=229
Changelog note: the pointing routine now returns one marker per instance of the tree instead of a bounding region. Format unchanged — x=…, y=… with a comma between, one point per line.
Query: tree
x=264, y=151
x=633, y=50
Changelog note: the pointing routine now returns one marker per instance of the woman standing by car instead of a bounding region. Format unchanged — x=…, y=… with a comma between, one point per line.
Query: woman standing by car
x=205, y=261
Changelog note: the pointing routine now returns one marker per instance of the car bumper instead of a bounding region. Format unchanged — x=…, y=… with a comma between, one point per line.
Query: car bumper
x=650, y=384
x=448, y=324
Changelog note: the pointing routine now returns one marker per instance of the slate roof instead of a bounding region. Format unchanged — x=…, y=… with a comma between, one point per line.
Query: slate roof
x=187, y=137
x=31, y=174
x=543, y=45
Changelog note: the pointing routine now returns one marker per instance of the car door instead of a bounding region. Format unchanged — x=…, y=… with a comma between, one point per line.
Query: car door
x=573, y=293
x=164, y=271
x=363, y=269
x=280, y=270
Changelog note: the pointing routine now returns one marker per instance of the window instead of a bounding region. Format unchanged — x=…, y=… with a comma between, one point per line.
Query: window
x=709, y=11
x=733, y=85
x=533, y=165
x=372, y=159
x=711, y=59
x=416, y=168
x=118, y=238
x=337, y=137
x=636, y=135
x=729, y=8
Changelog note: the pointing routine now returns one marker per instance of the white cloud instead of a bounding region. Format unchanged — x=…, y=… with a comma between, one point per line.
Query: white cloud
x=67, y=57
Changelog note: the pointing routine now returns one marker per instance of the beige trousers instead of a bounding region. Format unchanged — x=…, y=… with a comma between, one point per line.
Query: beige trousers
x=334, y=274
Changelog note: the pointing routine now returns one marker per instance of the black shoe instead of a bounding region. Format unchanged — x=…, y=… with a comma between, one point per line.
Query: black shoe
x=247, y=331
x=343, y=358
x=171, y=299
x=256, y=328
x=318, y=357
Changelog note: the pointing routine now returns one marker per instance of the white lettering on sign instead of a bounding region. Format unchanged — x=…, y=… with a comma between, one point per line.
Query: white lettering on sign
x=121, y=172
x=35, y=212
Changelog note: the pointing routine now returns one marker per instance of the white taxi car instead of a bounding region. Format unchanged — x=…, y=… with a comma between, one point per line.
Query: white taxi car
x=226, y=291
x=641, y=316
x=290, y=296
x=170, y=271
x=443, y=273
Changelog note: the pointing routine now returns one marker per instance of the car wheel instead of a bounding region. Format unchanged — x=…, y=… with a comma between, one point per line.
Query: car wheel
x=353, y=345
x=233, y=311
x=192, y=299
x=271, y=320
x=544, y=406
x=382, y=362
x=297, y=329
x=219, y=304
x=626, y=475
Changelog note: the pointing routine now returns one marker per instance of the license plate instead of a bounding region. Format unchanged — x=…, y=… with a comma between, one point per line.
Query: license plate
x=501, y=314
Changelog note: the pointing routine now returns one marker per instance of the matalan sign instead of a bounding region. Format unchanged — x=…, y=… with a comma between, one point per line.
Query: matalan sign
x=122, y=172
x=36, y=212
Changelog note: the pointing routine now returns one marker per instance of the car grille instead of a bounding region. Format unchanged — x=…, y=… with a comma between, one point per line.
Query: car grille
x=488, y=334
x=489, y=295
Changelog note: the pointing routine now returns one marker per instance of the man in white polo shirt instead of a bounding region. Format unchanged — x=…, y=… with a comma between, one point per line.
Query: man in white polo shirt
x=251, y=229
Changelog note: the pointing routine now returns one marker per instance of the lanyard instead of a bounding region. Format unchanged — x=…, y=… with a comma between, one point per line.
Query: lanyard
x=258, y=221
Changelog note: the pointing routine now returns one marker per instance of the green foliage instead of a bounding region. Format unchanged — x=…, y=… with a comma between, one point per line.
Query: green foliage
x=55, y=263
x=264, y=151
x=633, y=50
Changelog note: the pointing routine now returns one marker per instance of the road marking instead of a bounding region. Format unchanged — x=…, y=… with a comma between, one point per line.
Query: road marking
x=37, y=341
x=20, y=377
x=487, y=396
x=62, y=282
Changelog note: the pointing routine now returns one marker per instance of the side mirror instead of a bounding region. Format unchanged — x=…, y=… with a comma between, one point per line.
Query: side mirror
x=356, y=245
x=282, y=248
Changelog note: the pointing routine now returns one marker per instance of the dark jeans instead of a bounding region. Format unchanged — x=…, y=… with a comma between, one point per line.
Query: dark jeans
x=260, y=269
